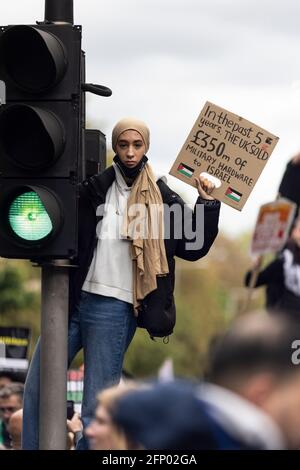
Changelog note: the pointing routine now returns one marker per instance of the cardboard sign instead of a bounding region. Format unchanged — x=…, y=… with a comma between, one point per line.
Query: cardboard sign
x=231, y=151
x=14, y=342
x=272, y=226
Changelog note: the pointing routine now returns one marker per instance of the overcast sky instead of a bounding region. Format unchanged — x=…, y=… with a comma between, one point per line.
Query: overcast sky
x=164, y=59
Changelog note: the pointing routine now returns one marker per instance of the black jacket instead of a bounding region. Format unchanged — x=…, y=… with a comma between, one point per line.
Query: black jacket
x=157, y=312
x=279, y=298
x=289, y=186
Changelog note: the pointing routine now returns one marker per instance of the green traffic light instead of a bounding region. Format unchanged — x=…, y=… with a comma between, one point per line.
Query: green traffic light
x=28, y=217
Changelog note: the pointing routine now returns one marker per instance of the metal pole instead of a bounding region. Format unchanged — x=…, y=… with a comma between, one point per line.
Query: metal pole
x=254, y=275
x=54, y=357
x=61, y=11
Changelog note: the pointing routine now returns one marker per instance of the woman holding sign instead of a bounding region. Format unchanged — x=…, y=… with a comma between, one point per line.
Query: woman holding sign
x=131, y=226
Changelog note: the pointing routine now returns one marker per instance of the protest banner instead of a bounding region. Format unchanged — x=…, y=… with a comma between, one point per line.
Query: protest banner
x=14, y=342
x=272, y=226
x=227, y=149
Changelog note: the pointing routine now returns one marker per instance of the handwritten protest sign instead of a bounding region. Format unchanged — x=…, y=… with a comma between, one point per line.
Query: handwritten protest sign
x=272, y=226
x=229, y=150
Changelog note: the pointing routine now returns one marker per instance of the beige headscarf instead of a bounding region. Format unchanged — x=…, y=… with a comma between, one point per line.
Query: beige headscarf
x=144, y=225
x=127, y=124
x=143, y=222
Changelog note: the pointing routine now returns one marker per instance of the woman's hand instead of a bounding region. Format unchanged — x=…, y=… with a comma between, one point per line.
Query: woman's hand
x=296, y=159
x=256, y=262
x=74, y=425
x=204, y=187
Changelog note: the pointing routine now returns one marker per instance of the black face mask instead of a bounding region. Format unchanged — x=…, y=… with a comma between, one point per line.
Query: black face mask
x=131, y=173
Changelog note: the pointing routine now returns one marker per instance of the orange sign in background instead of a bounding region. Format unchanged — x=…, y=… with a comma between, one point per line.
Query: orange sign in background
x=272, y=226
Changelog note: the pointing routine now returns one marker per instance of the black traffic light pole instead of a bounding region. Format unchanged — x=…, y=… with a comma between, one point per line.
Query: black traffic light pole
x=55, y=298
x=42, y=161
x=54, y=318
x=54, y=349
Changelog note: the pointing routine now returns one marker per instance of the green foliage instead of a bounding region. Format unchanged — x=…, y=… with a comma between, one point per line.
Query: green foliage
x=13, y=295
x=20, y=296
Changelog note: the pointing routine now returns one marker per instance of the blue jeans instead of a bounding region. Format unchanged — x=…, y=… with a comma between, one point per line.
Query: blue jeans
x=104, y=327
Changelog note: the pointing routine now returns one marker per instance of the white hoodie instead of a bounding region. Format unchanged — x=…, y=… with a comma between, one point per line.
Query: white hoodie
x=110, y=273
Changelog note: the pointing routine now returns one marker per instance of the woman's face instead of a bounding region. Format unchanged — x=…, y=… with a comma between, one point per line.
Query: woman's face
x=100, y=430
x=130, y=148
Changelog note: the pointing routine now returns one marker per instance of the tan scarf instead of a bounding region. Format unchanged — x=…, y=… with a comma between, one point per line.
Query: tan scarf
x=144, y=225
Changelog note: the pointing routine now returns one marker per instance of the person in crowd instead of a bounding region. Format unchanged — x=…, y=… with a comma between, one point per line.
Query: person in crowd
x=289, y=185
x=7, y=377
x=288, y=189
x=15, y=429
x=284, y=273
x=250, y=400
x=75, y=431
x=165, y=416
x=11, y=400
x=124, y=278
x=254, y=380
x=102, y=433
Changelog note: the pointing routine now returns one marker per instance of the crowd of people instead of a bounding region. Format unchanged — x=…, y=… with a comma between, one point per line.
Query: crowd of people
x=11, y=404
x=248, y=400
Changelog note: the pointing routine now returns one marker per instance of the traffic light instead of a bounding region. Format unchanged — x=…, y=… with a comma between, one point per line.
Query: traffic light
x=95, y=152
x=41, y=139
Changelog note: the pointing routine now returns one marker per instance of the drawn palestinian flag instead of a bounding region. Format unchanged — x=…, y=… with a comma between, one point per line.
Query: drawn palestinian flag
x=233, y=194
x=185, y=170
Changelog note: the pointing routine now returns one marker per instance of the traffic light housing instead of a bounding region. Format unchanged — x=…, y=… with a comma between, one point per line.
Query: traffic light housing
x=41, y=140
x=95, y=152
